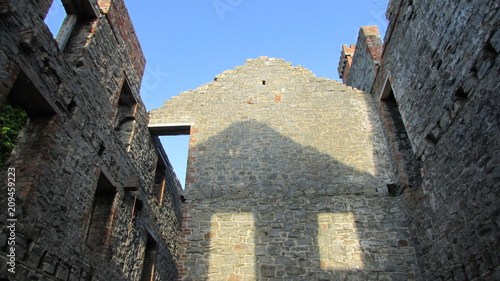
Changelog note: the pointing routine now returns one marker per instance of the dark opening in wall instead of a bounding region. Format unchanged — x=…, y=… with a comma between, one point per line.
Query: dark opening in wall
x=102, y=148
x=25, y=94
x=72, y=107
x=160, y=179
x=125, y=115
x=149, y=260
x=460, y=99
x=101, y=218
x=12, y=119
x=24, y=105
x=407, y=164
x=460, y=94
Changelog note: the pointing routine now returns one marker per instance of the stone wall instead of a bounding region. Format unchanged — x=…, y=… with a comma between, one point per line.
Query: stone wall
x=287, y=180
x=441, y=63
x=365, y=60
x=345, y=61
x=85, y=151
x=120, y=20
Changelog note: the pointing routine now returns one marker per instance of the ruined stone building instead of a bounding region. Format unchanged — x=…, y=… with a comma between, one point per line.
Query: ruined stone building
x=96, y=198
x=393, y=174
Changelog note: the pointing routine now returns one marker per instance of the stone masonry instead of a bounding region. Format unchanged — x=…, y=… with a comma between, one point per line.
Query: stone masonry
x=440, y=70
x=95, y=196
x=368, y=52
x=393, y=176
x=287, y=180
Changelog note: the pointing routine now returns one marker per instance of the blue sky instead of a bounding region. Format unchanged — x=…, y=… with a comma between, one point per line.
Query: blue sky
x=187, y=43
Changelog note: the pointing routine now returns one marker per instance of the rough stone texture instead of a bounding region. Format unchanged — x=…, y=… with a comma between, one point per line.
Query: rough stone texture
x=345, y=61
x=287, y=179
x=360, y=73
x=74, y=153
x=441, y=59
x=288, y=175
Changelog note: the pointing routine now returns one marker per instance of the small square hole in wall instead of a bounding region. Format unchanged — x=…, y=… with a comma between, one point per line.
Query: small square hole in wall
x=263, y=82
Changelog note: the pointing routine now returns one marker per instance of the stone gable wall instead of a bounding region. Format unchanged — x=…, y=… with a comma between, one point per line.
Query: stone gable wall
x=287, y=179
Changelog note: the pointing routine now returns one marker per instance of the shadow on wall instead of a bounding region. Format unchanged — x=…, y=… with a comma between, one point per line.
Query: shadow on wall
x=264, y=206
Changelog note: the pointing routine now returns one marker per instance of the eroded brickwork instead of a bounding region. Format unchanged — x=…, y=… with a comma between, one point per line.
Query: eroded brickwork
x=287, y=180
x=84, y=201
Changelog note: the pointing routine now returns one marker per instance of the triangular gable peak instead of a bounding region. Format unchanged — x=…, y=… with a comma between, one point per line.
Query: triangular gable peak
x=319, y=113
x=261, y=82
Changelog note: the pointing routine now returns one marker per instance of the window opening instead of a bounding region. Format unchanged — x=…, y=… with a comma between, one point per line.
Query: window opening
x=166, y=184
x=66, y=30
x=149, y=260
x=25, y=94
x=125, y=115
x=177, y=147
x=409, y=170
x=24, y=105
x=12, y=119
x=75, y=32
x=55, y=17
x=101, y=219
x=160, y=179
x=60, y=23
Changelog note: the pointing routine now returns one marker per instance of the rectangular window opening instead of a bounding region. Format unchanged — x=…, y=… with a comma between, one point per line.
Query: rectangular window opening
x=160, y=179
x=25, y=105
x=55, y=17
x=149, y=260
x=13, y=119
x=166, y=183
x=408, y=171
x=175, y=141
x=177, y=148
x=72, y=25
x=101, y=218
x=125, y=115
x=61, y=23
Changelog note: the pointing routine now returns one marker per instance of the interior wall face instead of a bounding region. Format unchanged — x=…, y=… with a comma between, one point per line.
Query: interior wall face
x=287, y=180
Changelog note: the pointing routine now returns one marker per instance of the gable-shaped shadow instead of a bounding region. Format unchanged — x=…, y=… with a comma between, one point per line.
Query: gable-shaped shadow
x=264, y=207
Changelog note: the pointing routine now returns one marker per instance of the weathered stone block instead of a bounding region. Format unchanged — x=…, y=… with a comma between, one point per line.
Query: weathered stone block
x=267, y=271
